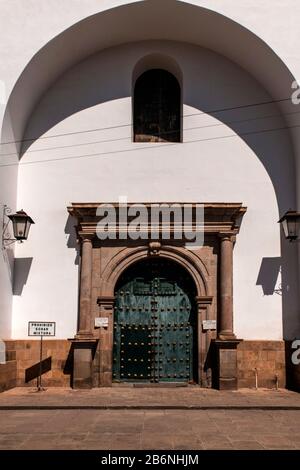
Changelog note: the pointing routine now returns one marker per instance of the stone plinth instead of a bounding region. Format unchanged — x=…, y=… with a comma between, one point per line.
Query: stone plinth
x=226, y=372
x=83, y=353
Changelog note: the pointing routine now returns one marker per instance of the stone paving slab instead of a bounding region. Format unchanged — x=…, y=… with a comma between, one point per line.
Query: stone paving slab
x=150, y=429
x=148, y=398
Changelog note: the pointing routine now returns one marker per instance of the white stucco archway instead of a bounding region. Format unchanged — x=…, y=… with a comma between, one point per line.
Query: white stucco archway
x=177, y=21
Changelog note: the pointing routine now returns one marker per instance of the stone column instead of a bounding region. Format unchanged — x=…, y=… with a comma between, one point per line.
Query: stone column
x=84, y=330
x=226, y=288
x=226, y=344
x=84, y=344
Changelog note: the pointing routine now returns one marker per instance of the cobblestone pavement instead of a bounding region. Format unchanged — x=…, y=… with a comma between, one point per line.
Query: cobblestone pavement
x=151, y=429
x=149, y=418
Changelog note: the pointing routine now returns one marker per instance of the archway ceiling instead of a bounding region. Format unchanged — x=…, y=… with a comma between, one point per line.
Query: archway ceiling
x=150, y=20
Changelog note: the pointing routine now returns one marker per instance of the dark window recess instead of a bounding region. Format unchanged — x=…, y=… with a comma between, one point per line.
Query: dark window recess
x=157, y=107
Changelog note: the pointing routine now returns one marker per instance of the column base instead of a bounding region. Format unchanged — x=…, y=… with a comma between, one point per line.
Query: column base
x=226, y=335
x=84, y=335
x=226, y=373
x=83, y=352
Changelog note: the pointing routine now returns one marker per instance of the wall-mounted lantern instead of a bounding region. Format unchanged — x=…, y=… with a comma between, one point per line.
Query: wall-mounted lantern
x=21, y=223
x=290, y=223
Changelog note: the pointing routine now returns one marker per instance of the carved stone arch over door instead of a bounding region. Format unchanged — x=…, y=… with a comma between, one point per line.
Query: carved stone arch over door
x=193, y=264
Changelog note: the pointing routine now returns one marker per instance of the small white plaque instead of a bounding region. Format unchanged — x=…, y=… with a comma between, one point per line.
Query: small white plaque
x=101, y=321
x=209, y=324
x=41, y=328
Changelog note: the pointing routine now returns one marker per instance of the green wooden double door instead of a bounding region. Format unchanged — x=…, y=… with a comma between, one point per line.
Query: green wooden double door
x=155, y=324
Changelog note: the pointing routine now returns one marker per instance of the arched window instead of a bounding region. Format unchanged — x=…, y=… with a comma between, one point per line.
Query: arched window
x=157, y=106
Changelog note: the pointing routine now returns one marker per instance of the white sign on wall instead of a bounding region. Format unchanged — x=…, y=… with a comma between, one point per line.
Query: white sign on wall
x=101, y=321
x=41, y=328
x=209, y=324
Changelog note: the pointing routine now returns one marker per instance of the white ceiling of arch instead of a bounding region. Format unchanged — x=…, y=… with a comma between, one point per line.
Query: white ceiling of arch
x=137, y=21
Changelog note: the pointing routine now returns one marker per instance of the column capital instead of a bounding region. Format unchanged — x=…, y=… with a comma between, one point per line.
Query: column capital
x=229, y=236
x=85, y=237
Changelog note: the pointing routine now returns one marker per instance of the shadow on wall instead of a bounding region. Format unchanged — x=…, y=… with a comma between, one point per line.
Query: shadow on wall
x=70, y=229
x=111, y=86
x=21, y=272
x=268, y=276
x=33, y=372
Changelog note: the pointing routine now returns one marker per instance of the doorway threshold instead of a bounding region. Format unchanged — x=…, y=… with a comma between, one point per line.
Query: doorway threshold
x=161, y=385
x=154, y=385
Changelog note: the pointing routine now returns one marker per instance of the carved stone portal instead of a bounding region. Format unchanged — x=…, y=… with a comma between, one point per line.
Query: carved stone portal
x=209, y=267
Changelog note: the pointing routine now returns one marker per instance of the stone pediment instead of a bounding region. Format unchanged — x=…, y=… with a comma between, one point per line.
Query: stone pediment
x=216, y=217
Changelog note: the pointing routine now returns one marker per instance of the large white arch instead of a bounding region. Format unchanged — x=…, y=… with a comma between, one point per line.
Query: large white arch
x=169, y=20
x=138, y=21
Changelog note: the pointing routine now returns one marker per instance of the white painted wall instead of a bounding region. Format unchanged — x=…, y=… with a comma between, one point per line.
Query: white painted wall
x=52, y=185
x=212, y=164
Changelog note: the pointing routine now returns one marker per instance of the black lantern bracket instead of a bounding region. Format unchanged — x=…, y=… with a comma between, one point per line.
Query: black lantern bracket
x=6, y=236
x=21, y=224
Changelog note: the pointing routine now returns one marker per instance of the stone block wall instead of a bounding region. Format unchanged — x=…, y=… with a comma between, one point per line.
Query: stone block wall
x=268, y=357
x=8, y=375
x=56, y=357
